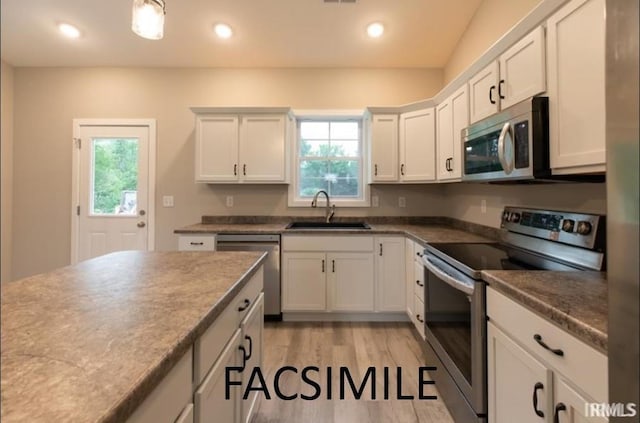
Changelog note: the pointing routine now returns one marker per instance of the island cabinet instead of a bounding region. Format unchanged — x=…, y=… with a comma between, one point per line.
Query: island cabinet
x=536, y=371
x=576, y=72
x=242, y=147
x=414, y=281
x=519, y=73
x=234, y=340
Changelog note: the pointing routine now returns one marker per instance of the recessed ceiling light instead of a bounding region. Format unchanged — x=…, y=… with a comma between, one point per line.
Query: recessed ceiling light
x=375, y=30
x=223, y=30
x=69, y=30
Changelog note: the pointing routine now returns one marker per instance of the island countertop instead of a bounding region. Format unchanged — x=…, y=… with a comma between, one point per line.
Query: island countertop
x=88, y=343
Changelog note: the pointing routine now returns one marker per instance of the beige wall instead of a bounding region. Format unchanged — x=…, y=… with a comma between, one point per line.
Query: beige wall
x=47, y=99
x=6, y=124
x=463, y=201
x=490, y=22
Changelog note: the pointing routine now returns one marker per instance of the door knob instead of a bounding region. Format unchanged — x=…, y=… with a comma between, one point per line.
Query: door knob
x=141, y=224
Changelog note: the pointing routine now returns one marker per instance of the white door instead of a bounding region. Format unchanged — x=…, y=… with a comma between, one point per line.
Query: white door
x=112, y=192
x=569, y=406
x=390, y=284
x=384, y=148
x=304, y=282
x=444, y=137
x=350, y=278
x=418, y=146
x=217, y=139
x=483, y=93
x=252, y=340
x=262, y=148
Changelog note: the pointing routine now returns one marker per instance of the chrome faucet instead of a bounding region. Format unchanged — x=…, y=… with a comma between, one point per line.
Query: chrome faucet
x=331, y=209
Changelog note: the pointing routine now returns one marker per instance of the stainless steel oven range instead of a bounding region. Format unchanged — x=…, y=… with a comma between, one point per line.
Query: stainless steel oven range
x=455, y=306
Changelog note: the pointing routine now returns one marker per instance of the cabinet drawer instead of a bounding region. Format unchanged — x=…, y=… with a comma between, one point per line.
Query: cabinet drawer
x=168, y=399
x=418, y=250
x=208, y=346
x=187, y=415
x=580, y=363
x=327, y=243
x=197, y=243
x=418, y=285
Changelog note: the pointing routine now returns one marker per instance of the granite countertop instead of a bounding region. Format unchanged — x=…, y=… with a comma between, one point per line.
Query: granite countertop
x=88, y=343
x=421, y=233
x=575, y=301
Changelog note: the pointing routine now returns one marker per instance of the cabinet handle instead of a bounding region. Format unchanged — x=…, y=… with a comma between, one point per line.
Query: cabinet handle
x=418, y=283
x=500, y=89
x=540, y=342
x=244, y=169
x=248, y=338
x=245, y=305
x=375, y=170
x=536, y=387
x=196, y=243
x=235, y=169
x=556, y=415
x=419, y=319
x=446, y=165
x=322, y=266
x=333, y=266
x=418, y=254
x=402, y=169
x=493, y=87
x=244, y=358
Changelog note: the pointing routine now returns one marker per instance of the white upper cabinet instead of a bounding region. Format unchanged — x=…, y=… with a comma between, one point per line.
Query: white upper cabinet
x=384, y=148
x=576, y=66
x=418, y=146
x=217, y=148
x=452, y=117
x=519, y=73
x=241, y=148
x=262, y=148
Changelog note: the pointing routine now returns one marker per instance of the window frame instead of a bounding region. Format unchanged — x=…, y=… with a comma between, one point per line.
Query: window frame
x=364, y=199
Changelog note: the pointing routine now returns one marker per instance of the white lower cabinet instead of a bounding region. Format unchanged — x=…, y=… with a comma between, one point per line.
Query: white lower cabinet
x=390, y=267
x=537, y=372
x=197, y=242
x=350, y=281
x=252, y=328
x=304, y=282
x=210, y=401
x=409, y=280
x=414, y=276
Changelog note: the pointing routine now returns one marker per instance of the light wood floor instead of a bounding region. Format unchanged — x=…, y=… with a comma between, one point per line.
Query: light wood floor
x=356, y=346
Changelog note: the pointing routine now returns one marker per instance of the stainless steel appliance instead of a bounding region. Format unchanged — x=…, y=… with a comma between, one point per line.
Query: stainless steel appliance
x=510, y=145
x=260, y=242
x=455, y=306
x=622, y=76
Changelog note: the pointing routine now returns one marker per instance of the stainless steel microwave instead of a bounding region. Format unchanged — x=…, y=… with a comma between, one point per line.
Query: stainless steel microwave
x=510, y=145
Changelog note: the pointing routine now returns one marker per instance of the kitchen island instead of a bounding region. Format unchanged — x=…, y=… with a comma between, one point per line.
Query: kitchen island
x=88, y=343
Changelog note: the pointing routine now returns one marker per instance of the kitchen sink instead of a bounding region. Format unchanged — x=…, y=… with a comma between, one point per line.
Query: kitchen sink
x=328, y=225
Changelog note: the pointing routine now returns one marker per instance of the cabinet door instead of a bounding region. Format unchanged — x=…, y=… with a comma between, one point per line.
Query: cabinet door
x=483, y=93
x=209, y=400
x=390, y=271
x=418, y=146
x=570, y=406
x=304, y=282
x=216, y=148
x=262, y=148
x=418, y=317
x=522, y=69
x=444, y=138
x=252, y=328
x=409, y=276
x=576, y=87
x=351, y=280
x=460, y=112
x=518, y=383
x=384, y=148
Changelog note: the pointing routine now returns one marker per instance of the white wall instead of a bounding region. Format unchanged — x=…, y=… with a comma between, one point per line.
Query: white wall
x=47, y=99
x=6, y=202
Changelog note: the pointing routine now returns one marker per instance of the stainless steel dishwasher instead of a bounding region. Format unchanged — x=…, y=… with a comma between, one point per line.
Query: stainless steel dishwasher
x=260, y=242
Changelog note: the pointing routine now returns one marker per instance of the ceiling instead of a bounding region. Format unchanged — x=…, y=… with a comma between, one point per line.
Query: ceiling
x=267, y=33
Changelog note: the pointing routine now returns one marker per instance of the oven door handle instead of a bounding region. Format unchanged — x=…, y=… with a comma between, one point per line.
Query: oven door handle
x=431, y=263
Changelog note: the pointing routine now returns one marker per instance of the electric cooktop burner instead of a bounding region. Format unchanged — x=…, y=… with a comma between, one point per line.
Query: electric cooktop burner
x=482, y=256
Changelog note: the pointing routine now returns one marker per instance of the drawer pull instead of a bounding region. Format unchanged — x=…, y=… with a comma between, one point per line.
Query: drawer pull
x=536, y=387
x=419, y=254
x=540, y=342
x=419, y=284
x=196, y=243
x=419, y=319
x=248, y=338
x=559, y=407
x=245, y=306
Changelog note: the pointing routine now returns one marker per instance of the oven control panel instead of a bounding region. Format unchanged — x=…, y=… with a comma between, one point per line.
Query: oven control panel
x=579, y=229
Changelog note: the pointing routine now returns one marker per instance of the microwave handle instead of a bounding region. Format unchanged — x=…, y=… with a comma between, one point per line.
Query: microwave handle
x=507, y=166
